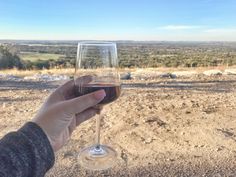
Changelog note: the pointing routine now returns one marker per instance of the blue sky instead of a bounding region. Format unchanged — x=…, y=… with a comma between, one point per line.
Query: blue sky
x=184, y=20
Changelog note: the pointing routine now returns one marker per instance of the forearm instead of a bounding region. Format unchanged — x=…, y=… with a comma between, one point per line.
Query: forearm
x=26, y=152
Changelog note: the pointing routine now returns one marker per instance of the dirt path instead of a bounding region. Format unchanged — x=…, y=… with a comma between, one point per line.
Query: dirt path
x=165, y=127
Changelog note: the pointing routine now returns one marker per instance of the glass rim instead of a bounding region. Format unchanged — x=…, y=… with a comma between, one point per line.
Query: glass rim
x=96, y=43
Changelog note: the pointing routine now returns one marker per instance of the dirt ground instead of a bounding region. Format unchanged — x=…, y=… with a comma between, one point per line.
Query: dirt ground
x=160, y=127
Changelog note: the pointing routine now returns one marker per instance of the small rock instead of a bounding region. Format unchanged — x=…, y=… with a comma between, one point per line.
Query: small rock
x=219, y=148
x=168, y=75
x=188, y=112
x=148, y=140
x=173, y=76
x=226, y=132
x=165, y=75
x=197, y=156
x=230, y=72
x=212, y=72
x=153, y=119
x=182, y=133
x=135, y=124
x=125, y=76
x=171, y=160
x=209, y=110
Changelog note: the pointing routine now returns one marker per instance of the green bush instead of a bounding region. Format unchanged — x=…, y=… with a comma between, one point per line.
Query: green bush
x=8, y=60
x=41, y=64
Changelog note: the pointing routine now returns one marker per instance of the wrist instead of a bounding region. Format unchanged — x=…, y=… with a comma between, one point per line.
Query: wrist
x=46, y=133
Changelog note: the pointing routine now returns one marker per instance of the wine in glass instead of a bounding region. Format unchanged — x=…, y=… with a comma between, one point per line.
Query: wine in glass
x=99, y=62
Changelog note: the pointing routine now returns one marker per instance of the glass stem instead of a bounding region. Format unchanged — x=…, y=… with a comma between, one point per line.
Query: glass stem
x=98, y=123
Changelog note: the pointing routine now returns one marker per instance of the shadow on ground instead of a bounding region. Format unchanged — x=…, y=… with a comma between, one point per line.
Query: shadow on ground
x=6, y=85
x=187, y=169
x=210, y=86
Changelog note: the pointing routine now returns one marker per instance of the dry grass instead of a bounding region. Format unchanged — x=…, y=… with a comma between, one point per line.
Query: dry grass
x=40, y=56
x=16, y=72
x=71, y=71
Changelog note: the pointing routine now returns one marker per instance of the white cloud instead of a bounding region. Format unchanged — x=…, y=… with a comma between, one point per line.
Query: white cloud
x=179, y=27
x=220, y=30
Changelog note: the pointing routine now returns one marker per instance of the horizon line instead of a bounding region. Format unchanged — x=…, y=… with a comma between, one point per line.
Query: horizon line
x=118, y=40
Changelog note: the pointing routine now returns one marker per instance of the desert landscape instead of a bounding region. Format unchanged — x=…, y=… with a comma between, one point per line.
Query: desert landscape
x=165, y=123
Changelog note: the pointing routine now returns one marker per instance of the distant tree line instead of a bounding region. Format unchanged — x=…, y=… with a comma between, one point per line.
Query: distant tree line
x=48, y=64
x=176, y=55
x=9, y=60
x=131, y=55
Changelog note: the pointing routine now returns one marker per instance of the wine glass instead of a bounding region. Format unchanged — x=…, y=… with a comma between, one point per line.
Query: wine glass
x=98, y=60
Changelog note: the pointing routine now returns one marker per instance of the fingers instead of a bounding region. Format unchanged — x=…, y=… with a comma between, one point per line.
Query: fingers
x=85, y=115
x=82, y=103
x=69, y=88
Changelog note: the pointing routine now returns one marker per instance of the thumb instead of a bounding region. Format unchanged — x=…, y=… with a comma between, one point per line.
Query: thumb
x=79, y=104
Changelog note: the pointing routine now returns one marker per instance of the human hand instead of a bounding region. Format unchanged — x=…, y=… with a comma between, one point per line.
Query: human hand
x=63, y=111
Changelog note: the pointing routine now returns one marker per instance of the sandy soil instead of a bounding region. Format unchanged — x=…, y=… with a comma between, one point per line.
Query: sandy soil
x=162, y=127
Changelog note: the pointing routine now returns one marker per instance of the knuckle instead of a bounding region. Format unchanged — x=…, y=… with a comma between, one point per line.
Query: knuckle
x=90, y=100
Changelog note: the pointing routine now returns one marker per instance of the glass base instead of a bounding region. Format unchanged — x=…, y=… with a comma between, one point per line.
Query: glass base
x=99, y=157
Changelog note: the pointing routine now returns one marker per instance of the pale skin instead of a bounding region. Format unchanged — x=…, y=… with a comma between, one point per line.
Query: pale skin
x=63, y=111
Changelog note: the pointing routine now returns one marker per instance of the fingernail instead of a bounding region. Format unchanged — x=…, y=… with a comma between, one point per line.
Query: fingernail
x=99, y=95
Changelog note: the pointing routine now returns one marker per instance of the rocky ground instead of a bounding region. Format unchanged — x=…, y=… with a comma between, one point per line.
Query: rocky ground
x=164, y=126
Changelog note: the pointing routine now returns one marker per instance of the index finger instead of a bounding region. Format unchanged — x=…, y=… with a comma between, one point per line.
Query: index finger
x=69, y=89
x=82, y=103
